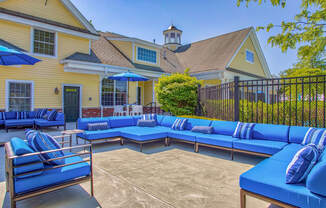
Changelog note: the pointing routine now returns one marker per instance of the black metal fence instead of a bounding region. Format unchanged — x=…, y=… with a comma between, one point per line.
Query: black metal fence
x=289, y=101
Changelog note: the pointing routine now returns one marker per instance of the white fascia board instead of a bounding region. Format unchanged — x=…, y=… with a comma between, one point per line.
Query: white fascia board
x=46, y=26
x=136, y=40
x=71, y=7
x=216, y=74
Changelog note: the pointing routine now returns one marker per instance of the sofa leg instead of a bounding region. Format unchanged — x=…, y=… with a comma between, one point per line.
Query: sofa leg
x=141, y=147
x=6, y=129
x=196, y=147
x=12, y=203
x=242, y=199
x=232, y=154
x=121, y=141
x=166, y=141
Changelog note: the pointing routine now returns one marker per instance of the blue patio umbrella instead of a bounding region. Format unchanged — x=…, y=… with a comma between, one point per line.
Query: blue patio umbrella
x=13, y=57
x=128, y=76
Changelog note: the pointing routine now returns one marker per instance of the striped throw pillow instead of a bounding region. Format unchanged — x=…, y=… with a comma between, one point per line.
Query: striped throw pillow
x=148, y=117
x=244, y=130
x=52, y=115
x=302, y=163
x=97, y=126
x=3, y=116
x=45, y=142
x=315, y=136
x=179, y=124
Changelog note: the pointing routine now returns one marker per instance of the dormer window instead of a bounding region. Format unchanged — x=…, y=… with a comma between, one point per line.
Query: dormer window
x=146, y=55
x=250, y=57
x=44, y=42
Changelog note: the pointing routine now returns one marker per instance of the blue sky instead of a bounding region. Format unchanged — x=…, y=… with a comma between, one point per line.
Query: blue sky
x=146, y=19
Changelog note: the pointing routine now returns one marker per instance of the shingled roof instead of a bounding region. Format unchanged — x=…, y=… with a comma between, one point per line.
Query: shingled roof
x=211, y=54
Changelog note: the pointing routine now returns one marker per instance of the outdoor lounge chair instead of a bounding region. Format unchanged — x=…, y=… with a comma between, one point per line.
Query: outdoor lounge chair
x=27, y=177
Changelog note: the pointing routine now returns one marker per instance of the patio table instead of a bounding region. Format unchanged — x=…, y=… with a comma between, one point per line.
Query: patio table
x=70, y=133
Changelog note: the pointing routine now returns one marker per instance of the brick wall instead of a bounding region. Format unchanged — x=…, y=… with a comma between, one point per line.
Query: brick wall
x=96, y=112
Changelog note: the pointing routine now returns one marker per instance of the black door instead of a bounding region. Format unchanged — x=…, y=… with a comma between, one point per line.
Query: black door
x=138, y=95
x=71, y=103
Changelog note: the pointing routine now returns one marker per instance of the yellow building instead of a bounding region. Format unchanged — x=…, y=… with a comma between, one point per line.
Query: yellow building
x=76, y=60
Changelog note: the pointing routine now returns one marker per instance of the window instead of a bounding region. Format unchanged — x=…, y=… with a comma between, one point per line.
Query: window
x=146, y=55
x=19, y=96
x=44, y=42
x=166, y=38
x=114, y=92
x=250, y=56
x=172, y=37
x=178, y=38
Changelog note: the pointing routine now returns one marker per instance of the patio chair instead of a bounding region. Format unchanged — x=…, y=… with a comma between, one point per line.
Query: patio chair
x=118, y=111
x=136, y=110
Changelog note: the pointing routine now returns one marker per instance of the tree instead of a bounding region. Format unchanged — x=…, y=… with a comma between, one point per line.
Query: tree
x=307, y=30
x=177, y=93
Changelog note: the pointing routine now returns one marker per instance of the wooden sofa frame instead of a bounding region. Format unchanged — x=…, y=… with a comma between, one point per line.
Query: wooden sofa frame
x=10, y=177
x=243, y=201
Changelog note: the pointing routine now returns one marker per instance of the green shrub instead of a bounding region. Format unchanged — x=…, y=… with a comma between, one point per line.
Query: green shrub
x=177, y=93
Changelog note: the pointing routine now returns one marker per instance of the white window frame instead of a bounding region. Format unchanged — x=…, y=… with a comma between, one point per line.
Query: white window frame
x=8, y=81
x=114, y=94
x=148, y=62
x=247, y=50
x=55, y=43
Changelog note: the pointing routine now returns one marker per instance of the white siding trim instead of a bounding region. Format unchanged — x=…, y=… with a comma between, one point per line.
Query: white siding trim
x=31, y=52
x=80, y=97
x=19, y=81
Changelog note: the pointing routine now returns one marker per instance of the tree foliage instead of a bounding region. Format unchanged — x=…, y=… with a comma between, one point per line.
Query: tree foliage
x=306, y=31
x=177, y=93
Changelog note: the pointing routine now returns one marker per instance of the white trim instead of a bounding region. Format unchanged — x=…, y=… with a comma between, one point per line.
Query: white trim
x=215, y=74
x=258, y=49
x=46, y=26
x=19, y=81
x=147, y=62
x=71, y=7
x=250, y=62
x=31, y=52
x=80, y=97
x=136, y=40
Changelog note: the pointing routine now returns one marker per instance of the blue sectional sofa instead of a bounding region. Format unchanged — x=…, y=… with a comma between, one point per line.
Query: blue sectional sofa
x=11, y=120
x=265, y=181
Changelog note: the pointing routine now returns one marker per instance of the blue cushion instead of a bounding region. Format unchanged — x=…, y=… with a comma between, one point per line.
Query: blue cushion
x=203, y=129
x=23, y=122
x=20, y=147
x=10, y=115
x=244, y=130
x=1, y=117
x=121, y=121
x=135, y=120
x=93, y=135
x=316, y=180
x=216, y=139
x=260, y=146
x=30, y=135
x=44, y=142
x=45, y=123
x=315, y=136
x=192, y=122
x=268, y=179
x=146, y=123
x=271, y=132
x=2, y=122
x=59, y=116
x=54, y=176
x=82, y=123
x=159, y=119
x=302, y=163
x=52, y=115
x=21, y=115
x=168, y=121
x=98, y=126
x=40, y=113
x=183, y=135
x=149, y=117
x=31, y=114
x=224, y=127
x=287, y=153
x=297, y=133
x=179, y=124
x=143, y=133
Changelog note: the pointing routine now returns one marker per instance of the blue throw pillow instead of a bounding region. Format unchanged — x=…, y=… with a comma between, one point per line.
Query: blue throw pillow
x=20, y=147
x=30, y=135
x=244, y=130
x=203, y=129
x=301, y=164
x=32, y=114
x=44, y=142
x=316, y=180
x=52, y=115
x=40, y=113
x=315, y=136
x=3, y=115
x=146, y=123
x=98, y=126
x=149, y=117
x=179, y=124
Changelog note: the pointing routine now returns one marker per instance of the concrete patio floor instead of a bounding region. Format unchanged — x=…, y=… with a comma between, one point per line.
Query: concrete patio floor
x=159, y=176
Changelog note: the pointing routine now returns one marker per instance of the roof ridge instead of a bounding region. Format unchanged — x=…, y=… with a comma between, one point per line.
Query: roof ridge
x=247, y=28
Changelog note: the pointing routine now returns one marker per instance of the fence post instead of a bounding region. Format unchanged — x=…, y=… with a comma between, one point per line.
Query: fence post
x=198, y=109
x=236, y=98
